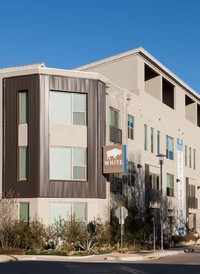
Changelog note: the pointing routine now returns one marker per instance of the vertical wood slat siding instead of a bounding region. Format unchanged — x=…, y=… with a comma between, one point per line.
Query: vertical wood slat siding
x=12, y=85
x=38, y=184
x=95, y=186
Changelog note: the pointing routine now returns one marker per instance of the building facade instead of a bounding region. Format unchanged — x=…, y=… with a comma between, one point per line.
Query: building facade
x=55, y=123
x=157, y=113
x=53, y=131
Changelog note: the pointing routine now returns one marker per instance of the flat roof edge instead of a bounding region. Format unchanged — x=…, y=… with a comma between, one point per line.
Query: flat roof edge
x=55, y=72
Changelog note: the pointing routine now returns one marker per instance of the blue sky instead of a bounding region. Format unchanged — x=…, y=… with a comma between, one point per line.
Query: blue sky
x=70, y=33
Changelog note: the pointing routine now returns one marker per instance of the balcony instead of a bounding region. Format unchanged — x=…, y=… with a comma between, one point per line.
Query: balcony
x=193, y=202
x=115, y=135
x=154, y=195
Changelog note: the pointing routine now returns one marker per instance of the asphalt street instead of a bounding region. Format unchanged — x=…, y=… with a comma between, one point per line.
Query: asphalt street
x=181, y=263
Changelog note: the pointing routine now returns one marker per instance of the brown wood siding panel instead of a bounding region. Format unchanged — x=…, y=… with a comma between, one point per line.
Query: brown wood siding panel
x=12, y=85
x=95, y=186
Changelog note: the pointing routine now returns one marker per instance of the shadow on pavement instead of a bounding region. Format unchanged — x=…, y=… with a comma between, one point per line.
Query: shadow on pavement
x=41, y=267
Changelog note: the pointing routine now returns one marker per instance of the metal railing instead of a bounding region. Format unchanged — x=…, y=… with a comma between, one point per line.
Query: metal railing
x=115, y=135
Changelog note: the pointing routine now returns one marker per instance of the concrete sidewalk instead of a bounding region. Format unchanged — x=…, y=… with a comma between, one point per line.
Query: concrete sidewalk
x=112, y=257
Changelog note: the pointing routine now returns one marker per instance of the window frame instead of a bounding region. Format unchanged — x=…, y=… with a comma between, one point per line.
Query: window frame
x=71, y=164
x=130, y=126
x=152, y=140
x=114, y=117
x=169, y=143
x=190, y=157
x=28, y=213
x=72, y=96
x=23, y=120
x=186, y=155
x=158, y=142
x=145, y=137
x=170, y=185
x=26, y=164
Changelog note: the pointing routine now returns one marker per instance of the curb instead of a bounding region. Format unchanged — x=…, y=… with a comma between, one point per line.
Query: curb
x=108, y=258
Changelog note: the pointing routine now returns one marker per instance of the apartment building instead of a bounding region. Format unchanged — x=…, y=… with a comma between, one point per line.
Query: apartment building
x=57, y=126
x=157, y=113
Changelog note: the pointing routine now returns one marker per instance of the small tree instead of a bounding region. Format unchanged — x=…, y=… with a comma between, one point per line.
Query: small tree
x=8, y=212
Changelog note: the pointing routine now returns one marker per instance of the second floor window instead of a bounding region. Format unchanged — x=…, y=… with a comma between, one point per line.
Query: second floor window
x=169, y=147
x=130, y=127
x=68, y=163
x=170, y=185
x=192, y=193
x=154, y=181
x=22, y=163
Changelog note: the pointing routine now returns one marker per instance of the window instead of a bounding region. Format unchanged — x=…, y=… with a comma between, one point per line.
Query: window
x=186, y=156
x=67, y=211
x=169, y=148
x=194, y=159
x=152, y=140
x=114, y=117
x=67, y=163
x=154, y=181
x=131, y=173
x=79, y=109
x=130, y=127
x=23, y=163
x=158, y=142
x=190, y=157
x=24, y=212
x=115, y=131
x=79, y=163
x=145, y=137
x=79, y=211
x=170, y=185
x=68, y=108
x=192, y=193
x=23, y=107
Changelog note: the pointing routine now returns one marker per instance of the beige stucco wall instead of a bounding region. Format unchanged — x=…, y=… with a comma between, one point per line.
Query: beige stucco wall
x=23, y=135
x=40, y=208
x=150, y=110
x=66, y=135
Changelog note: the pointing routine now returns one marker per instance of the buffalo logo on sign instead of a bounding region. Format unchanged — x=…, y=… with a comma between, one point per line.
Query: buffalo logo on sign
x=114, y=159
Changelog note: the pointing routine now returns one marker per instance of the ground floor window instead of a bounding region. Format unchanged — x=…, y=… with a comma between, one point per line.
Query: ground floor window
x=66, y=211
x=24, y=212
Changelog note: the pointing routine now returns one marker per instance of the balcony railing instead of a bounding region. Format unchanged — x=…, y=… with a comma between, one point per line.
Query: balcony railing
x=154, y=195
x=193, y=202
x=115, y=185
x=115, y=135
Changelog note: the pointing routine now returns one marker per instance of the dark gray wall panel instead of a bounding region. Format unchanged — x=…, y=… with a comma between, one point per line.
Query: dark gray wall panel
x=95, y=187
x=38, y=184
x=12, y=85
